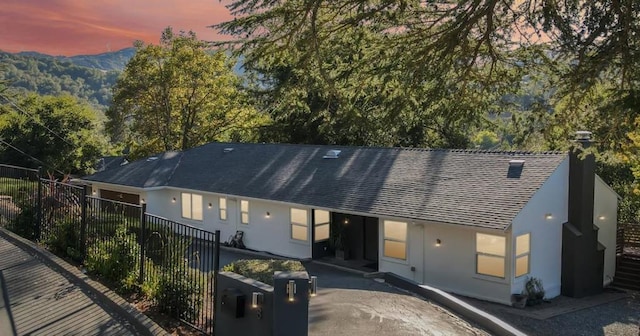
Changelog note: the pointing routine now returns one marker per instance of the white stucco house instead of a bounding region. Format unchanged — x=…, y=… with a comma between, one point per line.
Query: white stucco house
x=476, y=223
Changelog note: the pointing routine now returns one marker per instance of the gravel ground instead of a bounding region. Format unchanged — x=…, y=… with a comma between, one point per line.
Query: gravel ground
x=618, y=318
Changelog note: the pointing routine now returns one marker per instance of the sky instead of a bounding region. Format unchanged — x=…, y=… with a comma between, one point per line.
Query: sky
x=81, y=27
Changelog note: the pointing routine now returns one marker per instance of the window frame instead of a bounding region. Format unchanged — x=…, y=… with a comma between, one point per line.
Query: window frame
x=491, y=255
x=242, y=212
x=190, y=215
x=322, y=224
x=526, y=254
x=292, y=224
x=395, y=240
x=222, y=210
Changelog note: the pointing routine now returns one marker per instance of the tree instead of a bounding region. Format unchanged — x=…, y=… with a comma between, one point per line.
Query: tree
x=177, y=95
x=58, y=133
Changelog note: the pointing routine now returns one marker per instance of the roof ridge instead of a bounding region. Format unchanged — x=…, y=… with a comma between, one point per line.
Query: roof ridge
x=422, y=149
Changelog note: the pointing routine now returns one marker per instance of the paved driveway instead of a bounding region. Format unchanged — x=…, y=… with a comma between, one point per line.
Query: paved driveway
x=349, y=304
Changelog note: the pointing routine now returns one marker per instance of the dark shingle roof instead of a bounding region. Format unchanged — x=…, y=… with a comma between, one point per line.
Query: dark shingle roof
x=463, y=187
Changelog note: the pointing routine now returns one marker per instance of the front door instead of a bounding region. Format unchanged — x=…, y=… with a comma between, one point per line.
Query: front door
x=320, y=233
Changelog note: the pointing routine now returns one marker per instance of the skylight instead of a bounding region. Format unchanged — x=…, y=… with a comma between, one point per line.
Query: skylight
x=332, y=154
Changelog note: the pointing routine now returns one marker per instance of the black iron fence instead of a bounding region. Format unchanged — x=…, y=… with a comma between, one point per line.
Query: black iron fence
x=173, y=265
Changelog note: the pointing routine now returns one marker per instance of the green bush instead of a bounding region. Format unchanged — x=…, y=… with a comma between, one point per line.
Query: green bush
x=25, y=222
x=262, y=270
x=64, y=239
x=115, y=259
x=178, y=292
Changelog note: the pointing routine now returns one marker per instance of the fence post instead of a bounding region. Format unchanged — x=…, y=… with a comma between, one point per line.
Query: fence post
x=143, y=229
x=83, y=223
x=216, y=271
x=38, y=223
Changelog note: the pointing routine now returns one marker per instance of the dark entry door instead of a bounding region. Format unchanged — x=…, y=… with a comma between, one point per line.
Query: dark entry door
x=371, y=239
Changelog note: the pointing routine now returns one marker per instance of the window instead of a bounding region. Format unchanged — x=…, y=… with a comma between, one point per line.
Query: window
x=522, y=254
x=244, y=212
x=490, y=255
x=321, y=225
x=299, y=224
x=395, y=239
x=222, y=203
x=192, y=206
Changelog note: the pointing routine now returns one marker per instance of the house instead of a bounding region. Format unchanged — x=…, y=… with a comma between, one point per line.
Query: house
x=476, y=223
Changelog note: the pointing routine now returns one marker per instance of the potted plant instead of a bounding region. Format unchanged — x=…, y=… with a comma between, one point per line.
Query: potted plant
x=519, y=300
x=338, y=243
x=534, y=291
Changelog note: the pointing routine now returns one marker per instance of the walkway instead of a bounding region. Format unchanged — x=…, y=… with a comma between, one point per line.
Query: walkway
x=40, y=297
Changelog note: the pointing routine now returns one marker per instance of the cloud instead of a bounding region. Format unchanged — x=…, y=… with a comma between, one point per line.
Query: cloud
x=70, y=27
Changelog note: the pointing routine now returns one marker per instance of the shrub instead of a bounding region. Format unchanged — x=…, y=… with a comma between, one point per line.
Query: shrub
x=178, y=292
x=534, y=291
x=262, y=270
x=24, y=223
x=64, y=239
x=115, y=259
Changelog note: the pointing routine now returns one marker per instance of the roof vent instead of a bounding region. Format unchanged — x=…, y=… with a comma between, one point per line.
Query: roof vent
x=152, y=158
x=228, y=150
x=516, y=163
x=332, y=154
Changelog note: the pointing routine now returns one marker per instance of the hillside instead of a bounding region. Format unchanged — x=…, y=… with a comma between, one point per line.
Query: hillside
x=52, y=76
x=115, y=60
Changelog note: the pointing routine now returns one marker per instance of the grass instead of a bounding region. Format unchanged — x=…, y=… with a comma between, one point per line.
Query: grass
x=262, y=270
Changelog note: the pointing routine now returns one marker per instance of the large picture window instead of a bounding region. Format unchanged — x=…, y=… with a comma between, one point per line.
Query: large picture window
x=299, y=224
x=395, y=239
x=244, y=212
x=523, y=247
x=222, y=203
x=192, y=206
x=321, y=225
x=490, y=255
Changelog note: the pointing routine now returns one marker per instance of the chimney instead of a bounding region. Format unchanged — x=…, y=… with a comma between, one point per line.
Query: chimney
x=582, y=172
x=582, y=255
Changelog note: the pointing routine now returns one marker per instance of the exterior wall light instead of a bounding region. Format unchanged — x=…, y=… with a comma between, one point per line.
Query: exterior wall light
x=602, y=217
x=313, y=286
x=438, y=242
x=142, y=201
x=268, y=214
x=548, y=216
x=291, y=290
x=346, y=221
x=173, y=200
x=257, y=299
x=210, y=206
x=93, y=192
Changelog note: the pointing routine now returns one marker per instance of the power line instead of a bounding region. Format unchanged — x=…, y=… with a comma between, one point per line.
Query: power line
x=29, y=156
x=35, y=120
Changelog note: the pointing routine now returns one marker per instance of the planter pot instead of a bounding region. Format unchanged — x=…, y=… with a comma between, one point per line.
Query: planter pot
x=342, y=255
x=519, y=300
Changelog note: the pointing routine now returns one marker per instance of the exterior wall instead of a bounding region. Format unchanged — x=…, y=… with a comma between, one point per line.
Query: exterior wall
x=452, y=265
x=605, y=216
x=271, y=234
x=414, y=253
x=546, y=234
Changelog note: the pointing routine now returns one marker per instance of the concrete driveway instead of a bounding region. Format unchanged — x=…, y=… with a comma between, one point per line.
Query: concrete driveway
x=349, y=304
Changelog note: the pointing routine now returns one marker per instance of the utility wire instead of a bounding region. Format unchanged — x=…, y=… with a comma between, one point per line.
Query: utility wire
x=29, y=156
x=35, y=119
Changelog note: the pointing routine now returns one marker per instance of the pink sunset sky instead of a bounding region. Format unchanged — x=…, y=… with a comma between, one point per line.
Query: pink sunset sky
x=72, y=27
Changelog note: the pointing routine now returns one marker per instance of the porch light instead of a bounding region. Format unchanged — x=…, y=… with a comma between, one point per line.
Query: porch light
x=346, y=221
x=438, y=242
x=548, y=216
x=210, y=206
x=256, y=299
x=291, y=290
x=313, y=286
x=93, y=192
x=268, y=214
x=173, y=200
